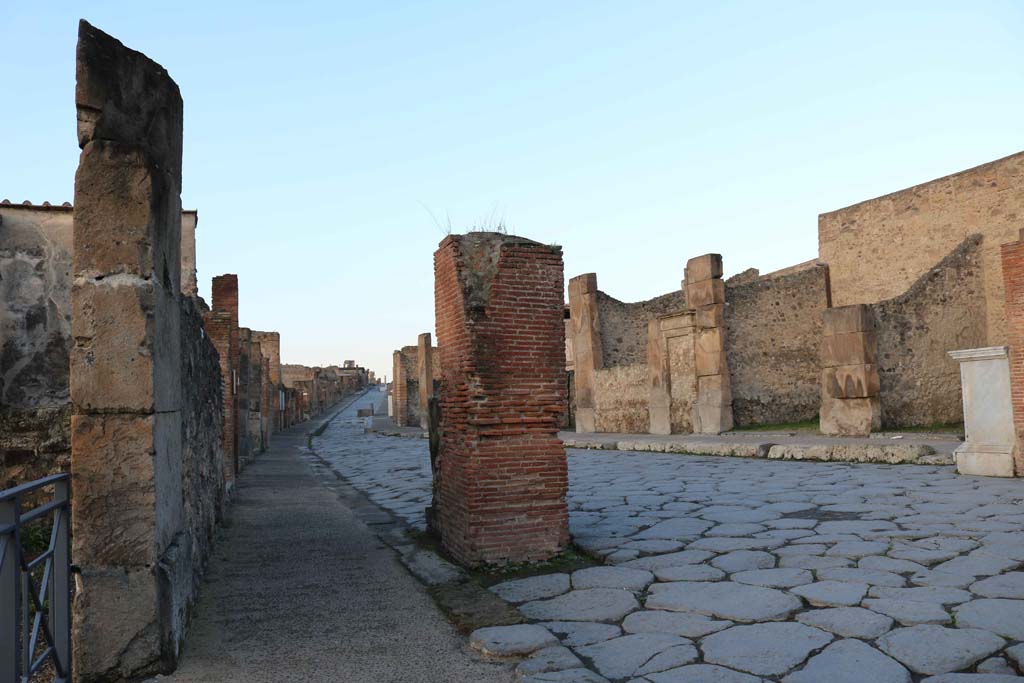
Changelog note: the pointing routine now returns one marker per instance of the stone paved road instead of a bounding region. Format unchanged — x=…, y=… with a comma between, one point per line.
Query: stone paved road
x=732, y=570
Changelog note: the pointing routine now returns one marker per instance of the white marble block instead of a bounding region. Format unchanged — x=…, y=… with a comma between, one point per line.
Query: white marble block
x=988, y=412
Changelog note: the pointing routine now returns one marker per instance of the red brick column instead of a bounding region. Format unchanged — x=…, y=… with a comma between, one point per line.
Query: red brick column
x=1013, y=284
x=221, y=330
x=501, y=475
x=225, y=299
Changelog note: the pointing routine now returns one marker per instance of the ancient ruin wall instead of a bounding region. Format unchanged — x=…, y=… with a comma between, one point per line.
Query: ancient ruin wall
x=943, y=311
x=878, y=249
x=35, y=332
x=624, y=326
x=621, y=399
x=773, y=331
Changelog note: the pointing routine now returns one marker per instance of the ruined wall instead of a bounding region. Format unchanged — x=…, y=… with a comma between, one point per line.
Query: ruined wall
x=624, y=326
x=189, y=223
x=879, y=248
x=621, y=399
x=943, y=311
x=35, y=334
x=773, y=331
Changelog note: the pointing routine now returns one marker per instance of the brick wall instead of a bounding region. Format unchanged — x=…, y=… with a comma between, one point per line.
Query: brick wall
x=1012, y=259
x=221, y=329
x=877, y=249
x=502, y=475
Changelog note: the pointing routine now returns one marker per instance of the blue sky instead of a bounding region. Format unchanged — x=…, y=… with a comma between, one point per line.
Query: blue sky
x=329, y=145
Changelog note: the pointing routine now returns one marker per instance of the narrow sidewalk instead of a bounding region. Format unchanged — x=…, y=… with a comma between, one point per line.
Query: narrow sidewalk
x=299, y=589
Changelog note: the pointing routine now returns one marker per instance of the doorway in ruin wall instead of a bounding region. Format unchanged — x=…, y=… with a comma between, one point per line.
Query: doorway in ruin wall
x=683, y=379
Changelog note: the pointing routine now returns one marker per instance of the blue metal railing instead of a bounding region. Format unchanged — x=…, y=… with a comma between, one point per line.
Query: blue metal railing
x=35, y=592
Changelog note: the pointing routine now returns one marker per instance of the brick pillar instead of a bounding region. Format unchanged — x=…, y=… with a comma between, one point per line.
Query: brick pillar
x=400, y=391
x=850, y=403
x=588, y=354
x=126, y=450
x=242, y=373
x=221, y=330
x=501, y=474
x=705, y=295
x=1013, y=285
x=225, y=299
x=425, y=375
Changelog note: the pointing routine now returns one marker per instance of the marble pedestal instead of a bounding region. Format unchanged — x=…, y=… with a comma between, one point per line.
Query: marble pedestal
x=988, y=412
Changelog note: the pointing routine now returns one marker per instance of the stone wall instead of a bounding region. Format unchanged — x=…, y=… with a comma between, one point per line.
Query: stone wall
x=773, y=331
x=878, y=249
x=621, y=399
x=1012, y=257
x=944, y=310
x=35, y=333
x=624, y=325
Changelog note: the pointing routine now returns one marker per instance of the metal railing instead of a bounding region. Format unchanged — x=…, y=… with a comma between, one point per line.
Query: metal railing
x=35, y=589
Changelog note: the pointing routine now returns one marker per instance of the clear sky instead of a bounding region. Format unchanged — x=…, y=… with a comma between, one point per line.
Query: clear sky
x=329, y=145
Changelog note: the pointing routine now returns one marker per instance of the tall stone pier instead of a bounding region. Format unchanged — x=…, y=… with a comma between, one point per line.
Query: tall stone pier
x=425, y=377
x=501, y=472
x=128, y=507
x=588, y=354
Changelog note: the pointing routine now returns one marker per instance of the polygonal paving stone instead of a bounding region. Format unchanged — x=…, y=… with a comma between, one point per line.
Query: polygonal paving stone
x=532, y=588
x=774, y=578
x=813, y=562
x=575, y=633
x=508, y=641
x=725, y=600
x=998, y=615
x=979, y=563
x=741, y=515
x=909, y=612
x=801, y=549
x=928, y=649
x=973, y=678
x=612, y=577
x=857, y=548
x=1007, y=544
x=681, y=527
x=1016, y=653
x=872, y=577
x=922, y=556
x=725, y=544
x=832, y=593
x=591, y=604
x=854, y=526
x=744, y=560
x=556, y=658
x=850, y=661
x=621, y=657
x=689, y=572
x=670, y=560
x=674, y=623
x=703, y=673
x=1009, y=585
x=567, y=676
x=669, y=659
x=995, y=665
x=936, y=594
x=889, y=564
x=763, y=649
x=849, y=622
x=932, y=577
x=734, y=530
x=654, y=546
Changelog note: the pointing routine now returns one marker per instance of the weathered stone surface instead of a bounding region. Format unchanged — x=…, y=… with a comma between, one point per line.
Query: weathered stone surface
x=850, y=661
x=763, y=649
x=704, y=267
x=849, y=416
x=978, y=563
x=705, y=293
x=574, y=633
x=774, y=578
x=850, y=381
x=683, y=557
x=556, y=658
x=622, y=657
x=689, y=572
x=509, y=641
x=744, y=560
x=909, y=612
x=674, y=623
x=934, y=594
x=847, y=319
x=930, y=649
x=592, y=604
x=849, y=348
x=673, y=657
x=702, y=673
x=872, y=577
x=849, y=622
x=566, y=676
x=612, y=577
x=995, y=665
x=1016, y=653
x=832, y=593
x=725, y=600
x=973, y=678
x=1010, y=585
x=532, y=588
x=1005, y=617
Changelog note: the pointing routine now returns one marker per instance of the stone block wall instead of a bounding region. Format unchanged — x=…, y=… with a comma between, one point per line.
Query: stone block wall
x=407, y=397
x=944, y=310
x=501, y=473
x=705, y=295
x=849, y=377
x=1012, y=258
x=35, y=341
x=773, y=331
x=878, y=249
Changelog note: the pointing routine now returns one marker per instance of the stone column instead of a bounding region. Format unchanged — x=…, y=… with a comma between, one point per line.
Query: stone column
x=400, y=391
x=988, y=412
x=242, y=376
x=705, y=295
x=659, y=378
x=588, y=353
x=425, y=375
x=1012, y=255
x=126, y=461
x=501, y=471
x=189, y=223
x=850, y=403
